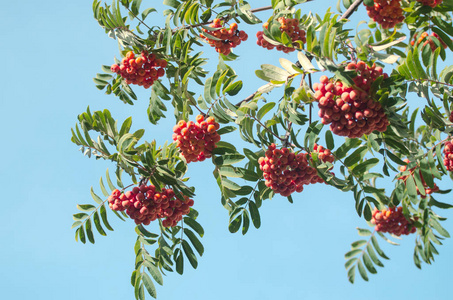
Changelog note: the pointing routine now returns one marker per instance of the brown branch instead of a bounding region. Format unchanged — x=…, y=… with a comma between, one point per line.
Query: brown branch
x=351, y=9
x=249, y=98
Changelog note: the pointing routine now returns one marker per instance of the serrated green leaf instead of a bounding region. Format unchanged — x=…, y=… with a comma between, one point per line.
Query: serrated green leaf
x=368, y=263
x=351, y=274
x=235, y=224
x=364, y=232
x=377, y=248
x=373, y=256
x=89, y=231
x=352, y=253
x=189, y=254
x=194, y=225
x=254, y=213
x=436, y=225
x=195, y=241
x=155, y=273
x=103, y=212
x=362, y=270
x=97, y=223
x=358, y=244
x=149, y=285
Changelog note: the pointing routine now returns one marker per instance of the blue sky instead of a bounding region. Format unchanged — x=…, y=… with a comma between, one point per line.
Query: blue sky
x=50, y=52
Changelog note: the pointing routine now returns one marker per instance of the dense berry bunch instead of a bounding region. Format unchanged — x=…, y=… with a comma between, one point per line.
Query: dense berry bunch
x=388, y=13
x=350, y=111
x=429, y=40
x=142, y=70
x=286, y=172
x=448, y=158
x=428, y=190
x=228, y=38
x=145, y=204
x=323, y=154
x=196, y=140
x=392, y=221
x=432, y=3
x=291, y=27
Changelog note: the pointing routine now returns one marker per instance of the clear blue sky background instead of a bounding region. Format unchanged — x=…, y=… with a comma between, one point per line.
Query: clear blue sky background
x=50, y=52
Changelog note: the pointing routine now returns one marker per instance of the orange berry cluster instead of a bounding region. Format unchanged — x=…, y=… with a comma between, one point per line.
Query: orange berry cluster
x=142, y=70
x=145, y=204
x=291, y=27
x=429, y=40
x=350, y=111
x=388, y=13
x=285, y=172
x=228, y=38
x=392, y=221
x=432, y=3
x=196, y=140
x=323, y=154
x=448, y=152
x=428, y=190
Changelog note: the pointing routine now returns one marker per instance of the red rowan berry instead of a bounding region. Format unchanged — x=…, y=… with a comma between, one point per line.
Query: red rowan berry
x=349, y=111
x=141, y=70
x=285, y=172
x=144, y=205
x=431, y=3
x=387, y=13
x=201, y=138
x=291, y=27
x=393, y=221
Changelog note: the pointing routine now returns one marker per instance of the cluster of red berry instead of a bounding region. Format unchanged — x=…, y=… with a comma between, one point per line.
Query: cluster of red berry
x=351, y=111
x=428, y=190
x=429, y=40
x=291, y=27
x=323, y=154
x=448, y=152
x=392, y=221
x=388, y=13
x=227, y=38
x=432, y=3
x=196, y=140
x=143, y=70
x=286, y=172
x=145, y=204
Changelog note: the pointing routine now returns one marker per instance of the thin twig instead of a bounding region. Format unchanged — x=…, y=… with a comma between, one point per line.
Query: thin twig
x=227, y=17
x=140, y=20
x=432, y=81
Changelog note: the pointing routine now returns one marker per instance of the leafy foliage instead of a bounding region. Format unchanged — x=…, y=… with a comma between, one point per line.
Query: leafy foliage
x=408, y=152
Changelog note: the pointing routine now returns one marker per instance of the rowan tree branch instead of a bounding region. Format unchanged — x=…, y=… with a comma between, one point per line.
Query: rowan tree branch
x=351, y=9
x=346, y=15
